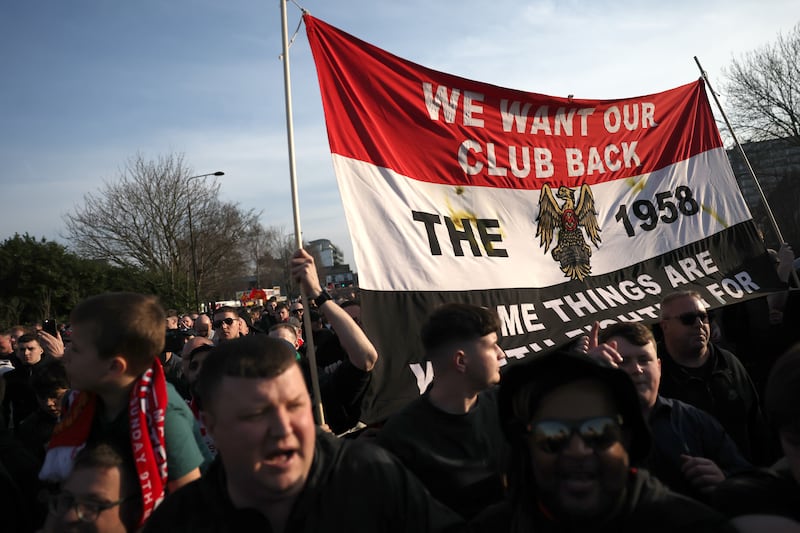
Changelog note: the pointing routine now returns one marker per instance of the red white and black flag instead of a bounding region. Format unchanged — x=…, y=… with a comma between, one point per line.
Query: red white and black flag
x=554, y=211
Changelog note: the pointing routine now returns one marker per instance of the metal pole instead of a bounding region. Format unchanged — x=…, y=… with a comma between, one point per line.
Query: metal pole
x=770, y=216
x=309, y=342
x=191, y=238
x=194, y=261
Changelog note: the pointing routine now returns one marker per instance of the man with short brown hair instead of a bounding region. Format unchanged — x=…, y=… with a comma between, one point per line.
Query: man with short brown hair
x=692, y=453
x=226, y=324
x=450, y=437
x=276, y=471
x=20, y=399
x=121, y=396
x=100, y=494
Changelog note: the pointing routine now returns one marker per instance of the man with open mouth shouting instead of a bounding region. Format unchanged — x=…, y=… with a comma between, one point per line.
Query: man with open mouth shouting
x=275, y=471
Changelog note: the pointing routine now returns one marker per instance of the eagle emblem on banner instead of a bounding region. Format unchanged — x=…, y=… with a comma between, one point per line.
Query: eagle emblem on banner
x=571, y=251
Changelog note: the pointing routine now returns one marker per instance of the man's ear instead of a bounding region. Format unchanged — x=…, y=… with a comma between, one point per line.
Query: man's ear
x=460, y=360
x=118, y=366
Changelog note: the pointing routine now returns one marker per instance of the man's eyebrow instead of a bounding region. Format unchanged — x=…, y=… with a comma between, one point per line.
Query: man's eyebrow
x=300, y=397
x=92, y=496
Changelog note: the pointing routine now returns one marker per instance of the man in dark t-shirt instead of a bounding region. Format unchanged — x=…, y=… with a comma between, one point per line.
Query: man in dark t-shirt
x=450, y=437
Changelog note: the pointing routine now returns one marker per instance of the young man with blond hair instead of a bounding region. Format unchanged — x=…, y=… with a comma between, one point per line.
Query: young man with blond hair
x=120, y=395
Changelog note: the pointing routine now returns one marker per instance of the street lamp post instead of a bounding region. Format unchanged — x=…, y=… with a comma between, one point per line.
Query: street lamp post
x=191, y=239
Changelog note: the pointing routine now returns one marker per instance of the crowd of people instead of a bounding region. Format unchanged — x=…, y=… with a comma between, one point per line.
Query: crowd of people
x=137, y=418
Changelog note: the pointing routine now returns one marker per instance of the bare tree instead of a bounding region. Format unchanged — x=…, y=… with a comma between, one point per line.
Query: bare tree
x=276, y=249
x=142, y=220
x=764, y=90
x=269, y=253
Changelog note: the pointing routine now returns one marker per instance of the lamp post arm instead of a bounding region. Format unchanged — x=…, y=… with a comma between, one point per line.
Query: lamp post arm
x=191, y=239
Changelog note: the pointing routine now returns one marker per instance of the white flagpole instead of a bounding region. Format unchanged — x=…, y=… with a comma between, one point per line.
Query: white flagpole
x=309, y=342
x=771, y=217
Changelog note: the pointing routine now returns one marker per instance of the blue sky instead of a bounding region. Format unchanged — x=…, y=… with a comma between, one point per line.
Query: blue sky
x=87, y=84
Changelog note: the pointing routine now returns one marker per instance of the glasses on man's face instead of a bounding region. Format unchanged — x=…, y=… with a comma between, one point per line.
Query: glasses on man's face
x=598, y=433
x=229, y=321
x=297, y=311
x=688, y=319
x=85, y=510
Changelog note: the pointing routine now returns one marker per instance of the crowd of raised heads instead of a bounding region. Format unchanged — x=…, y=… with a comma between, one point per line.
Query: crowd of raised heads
x=130, y=417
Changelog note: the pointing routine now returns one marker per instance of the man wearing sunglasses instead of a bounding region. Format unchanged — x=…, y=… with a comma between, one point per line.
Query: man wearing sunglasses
x=575, y=428
x=226, y=324
x=708, y=377
x=297, y=310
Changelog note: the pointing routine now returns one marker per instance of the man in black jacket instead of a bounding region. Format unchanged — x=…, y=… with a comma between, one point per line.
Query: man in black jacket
x=275, y=471
x=701, y=374
x=20, y=400
x=691, y=452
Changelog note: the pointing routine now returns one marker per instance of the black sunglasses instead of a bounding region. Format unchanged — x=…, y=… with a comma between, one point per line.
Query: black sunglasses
x=598, y=433
x=218, y=323
x=688, y=319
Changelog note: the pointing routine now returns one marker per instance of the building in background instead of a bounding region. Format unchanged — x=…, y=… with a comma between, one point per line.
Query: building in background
x=329, y=254
x=776, y=164
x=332, y=269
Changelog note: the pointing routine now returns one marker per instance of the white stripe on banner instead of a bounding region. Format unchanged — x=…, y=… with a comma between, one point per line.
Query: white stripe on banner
x=639, y=218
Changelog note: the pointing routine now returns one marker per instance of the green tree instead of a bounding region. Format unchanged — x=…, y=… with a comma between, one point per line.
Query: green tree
x=41, y=279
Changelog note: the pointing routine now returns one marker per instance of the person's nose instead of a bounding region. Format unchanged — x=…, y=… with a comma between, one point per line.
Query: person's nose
x=280, y=424
x=577, y=447
x=501, y=354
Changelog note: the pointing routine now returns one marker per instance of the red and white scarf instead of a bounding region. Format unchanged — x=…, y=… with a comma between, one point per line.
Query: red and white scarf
x=146, y=411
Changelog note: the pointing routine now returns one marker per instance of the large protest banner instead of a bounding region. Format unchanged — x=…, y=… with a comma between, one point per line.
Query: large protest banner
x=554, y=211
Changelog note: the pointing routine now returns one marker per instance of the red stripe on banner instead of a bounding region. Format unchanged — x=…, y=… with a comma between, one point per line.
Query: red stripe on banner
x=436, y=127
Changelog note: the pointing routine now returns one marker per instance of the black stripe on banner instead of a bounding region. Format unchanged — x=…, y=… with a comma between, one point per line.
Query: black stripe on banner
x=726, y=268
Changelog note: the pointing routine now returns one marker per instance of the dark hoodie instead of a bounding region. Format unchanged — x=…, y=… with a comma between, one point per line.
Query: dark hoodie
x=646, y=505
x=352, y=486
